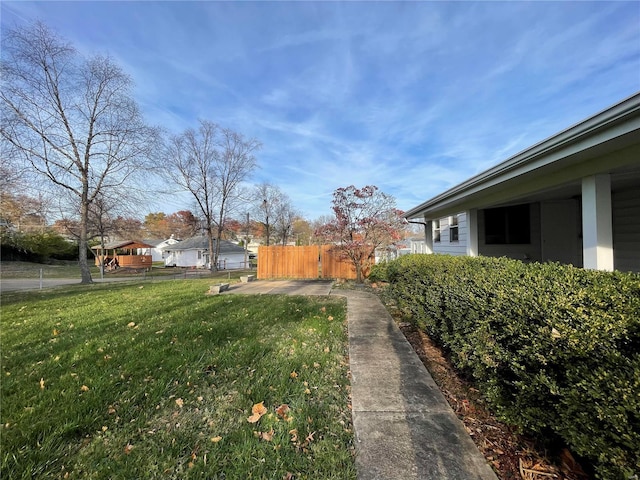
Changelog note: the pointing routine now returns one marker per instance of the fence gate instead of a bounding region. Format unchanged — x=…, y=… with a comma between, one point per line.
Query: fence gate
x=288, y=262
x=303, y=262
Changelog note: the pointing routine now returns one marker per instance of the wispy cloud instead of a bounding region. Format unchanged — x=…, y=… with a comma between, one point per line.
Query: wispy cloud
x=411, y=96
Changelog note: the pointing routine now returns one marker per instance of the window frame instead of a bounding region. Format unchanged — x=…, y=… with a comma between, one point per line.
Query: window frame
x=454, y=229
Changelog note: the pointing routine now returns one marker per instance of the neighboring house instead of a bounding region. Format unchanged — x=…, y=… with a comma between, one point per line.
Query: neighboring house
x=417, y=245
x=572, y=198
x=194, y=252
x=157, y=252
x=402, y=247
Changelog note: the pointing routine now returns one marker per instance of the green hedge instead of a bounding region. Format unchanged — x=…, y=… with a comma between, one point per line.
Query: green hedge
x=553, y=348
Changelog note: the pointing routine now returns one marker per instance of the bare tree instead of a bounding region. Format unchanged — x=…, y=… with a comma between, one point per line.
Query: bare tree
x=270, y=209
x=211, y=163
x=72, y=119
x=285, y=216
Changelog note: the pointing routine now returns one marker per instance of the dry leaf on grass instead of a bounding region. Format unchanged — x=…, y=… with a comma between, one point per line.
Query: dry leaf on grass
x=257, y=411
x=282, y=411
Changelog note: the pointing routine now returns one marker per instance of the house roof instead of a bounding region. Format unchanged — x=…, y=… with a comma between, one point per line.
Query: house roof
x=122, y=244
x=201, y=242
x=157, y=241
x=584, y=149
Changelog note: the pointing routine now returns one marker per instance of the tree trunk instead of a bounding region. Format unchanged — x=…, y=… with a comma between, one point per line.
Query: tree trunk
x=212, y=252
x=358, y=272
x=85, y=272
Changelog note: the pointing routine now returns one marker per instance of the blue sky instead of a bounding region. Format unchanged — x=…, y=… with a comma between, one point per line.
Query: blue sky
x=412, y=97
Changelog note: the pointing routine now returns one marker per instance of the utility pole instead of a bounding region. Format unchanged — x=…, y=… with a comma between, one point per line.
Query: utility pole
x=246, y=245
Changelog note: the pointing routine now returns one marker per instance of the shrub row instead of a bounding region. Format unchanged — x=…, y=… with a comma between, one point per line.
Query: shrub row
x=555, y=349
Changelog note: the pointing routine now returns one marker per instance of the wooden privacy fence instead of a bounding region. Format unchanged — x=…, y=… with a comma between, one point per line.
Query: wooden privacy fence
x=311, y=261
x=288, y=262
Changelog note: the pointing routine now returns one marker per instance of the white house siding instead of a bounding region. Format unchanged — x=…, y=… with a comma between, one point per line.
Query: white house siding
x=157, y=253
x=626, y=230
x=445, y=245
x=526, y=252
x=418, y=245
x=184, y=258
x=231, y=261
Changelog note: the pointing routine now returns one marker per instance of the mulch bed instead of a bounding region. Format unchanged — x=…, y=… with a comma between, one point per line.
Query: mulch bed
x=511, y=455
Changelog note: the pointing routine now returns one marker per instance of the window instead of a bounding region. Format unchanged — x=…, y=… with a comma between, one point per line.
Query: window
x=453, y=228
x=507, y=225
x=436, y=231
x=199, y=254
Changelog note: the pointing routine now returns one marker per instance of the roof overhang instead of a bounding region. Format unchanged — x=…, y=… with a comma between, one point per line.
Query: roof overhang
x=608, y=142
x=123, y=244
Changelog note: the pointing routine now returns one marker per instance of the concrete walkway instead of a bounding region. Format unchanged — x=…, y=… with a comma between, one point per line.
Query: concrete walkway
x=404, y=427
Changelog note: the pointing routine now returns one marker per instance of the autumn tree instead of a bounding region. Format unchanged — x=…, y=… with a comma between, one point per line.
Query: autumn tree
x=365, y=219
x=211, y=163
x=302, y=231
x=182, y=224
x=71, y=119
x=25, y=213
x=156, y=225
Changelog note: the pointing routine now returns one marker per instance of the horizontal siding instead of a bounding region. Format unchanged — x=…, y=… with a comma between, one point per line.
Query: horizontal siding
x=445, y=246
x=626, y=230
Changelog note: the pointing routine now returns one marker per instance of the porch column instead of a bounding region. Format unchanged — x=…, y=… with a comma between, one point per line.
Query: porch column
x=597, y=230
x=472, y=232
x=428, y=235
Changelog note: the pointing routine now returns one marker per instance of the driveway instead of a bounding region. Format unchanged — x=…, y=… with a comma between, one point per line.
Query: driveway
x=282, y=287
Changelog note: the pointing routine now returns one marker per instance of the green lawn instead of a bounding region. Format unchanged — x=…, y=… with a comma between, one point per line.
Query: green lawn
x=159, y=380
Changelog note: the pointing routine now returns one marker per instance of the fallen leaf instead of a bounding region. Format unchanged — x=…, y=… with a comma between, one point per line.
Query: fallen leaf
x=257, y=411
x=55, y=332
x=282, y=410
x=267, y=436
x=84, y=388
x=216, y=439
x=326, y=349
x=330, y=318
x=294, y=435
x=128, y=448
x=42, y=383
x=131, y=324
x=288, y=476
x=179, y=402
x=307, y=391
x=293, y=374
